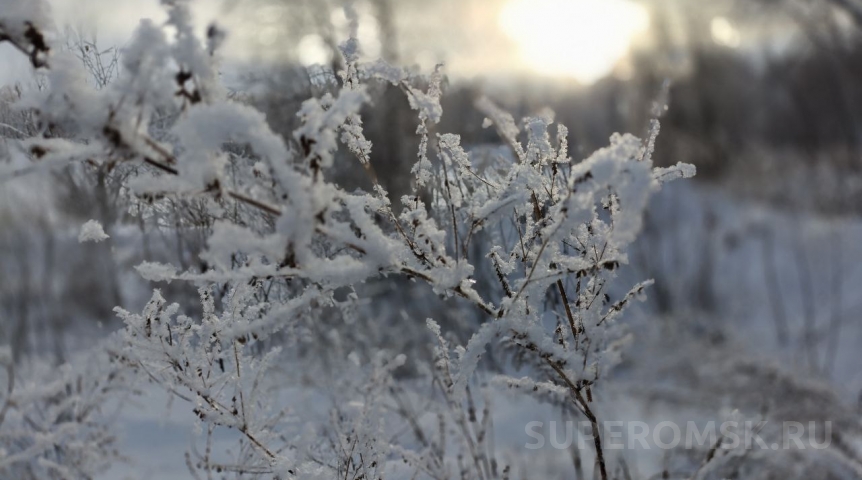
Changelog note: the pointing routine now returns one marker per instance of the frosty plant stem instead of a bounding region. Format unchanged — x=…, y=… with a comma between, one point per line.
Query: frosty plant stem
x=282, y=239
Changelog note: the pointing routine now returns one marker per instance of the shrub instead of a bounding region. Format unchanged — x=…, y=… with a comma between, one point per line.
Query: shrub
x=284, y=244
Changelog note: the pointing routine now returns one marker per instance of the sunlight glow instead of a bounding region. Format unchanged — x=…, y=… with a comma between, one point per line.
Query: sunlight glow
x=723, y=32
x=583, y=39
x=313, y=51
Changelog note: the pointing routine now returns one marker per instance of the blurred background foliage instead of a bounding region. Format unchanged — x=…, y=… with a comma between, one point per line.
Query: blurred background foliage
x=763, y=94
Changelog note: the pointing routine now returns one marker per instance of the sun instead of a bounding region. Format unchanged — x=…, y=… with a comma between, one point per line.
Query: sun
x=581, y=39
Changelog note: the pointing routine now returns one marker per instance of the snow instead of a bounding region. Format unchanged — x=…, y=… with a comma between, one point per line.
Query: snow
x=157, y=272
x=92, y=232
x=17, y=15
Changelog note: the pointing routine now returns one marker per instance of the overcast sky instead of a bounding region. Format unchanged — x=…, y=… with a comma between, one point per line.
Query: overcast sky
x=468, y=35
x=578, y=40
